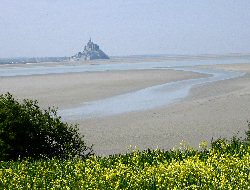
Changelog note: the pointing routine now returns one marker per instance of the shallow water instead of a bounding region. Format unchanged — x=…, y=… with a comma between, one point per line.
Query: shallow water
x=148, y=98
x=144, y=99
x=59, y=69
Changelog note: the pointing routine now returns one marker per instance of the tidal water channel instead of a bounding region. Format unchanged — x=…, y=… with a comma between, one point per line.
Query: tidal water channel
x=140, y=100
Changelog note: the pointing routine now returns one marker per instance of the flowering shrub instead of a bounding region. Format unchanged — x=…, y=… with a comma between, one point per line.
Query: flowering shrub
x=225, y=165
x=221, y=167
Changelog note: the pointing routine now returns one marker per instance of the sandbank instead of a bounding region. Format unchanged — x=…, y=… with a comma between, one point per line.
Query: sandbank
x=72, y=89
x=219, y=109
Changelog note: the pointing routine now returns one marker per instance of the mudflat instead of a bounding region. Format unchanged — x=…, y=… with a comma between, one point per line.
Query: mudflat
x=71, y=89
x=218, y=109
x=214, y=110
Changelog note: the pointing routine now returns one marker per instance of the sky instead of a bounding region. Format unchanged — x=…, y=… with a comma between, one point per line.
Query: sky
x=40, y=28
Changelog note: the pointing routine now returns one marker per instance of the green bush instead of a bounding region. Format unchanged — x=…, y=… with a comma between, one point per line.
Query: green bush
x=27, y=131
x=248, y=133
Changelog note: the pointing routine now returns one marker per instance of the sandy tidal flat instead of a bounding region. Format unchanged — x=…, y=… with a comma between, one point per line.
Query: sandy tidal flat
x=214, y=110
x=69, y=90
x=211, y=110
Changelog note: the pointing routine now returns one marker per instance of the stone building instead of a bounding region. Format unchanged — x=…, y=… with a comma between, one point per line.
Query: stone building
x=91, y=51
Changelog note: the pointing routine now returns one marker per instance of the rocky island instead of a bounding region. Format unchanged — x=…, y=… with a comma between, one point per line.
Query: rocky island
x=91, y=51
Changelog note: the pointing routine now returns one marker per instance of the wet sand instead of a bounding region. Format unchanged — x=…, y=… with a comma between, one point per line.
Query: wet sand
x=219, y=109
x=72, y=89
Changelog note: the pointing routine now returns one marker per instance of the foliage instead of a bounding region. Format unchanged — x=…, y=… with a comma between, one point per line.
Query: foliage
x=248, y=133
x=28, y=131
x=224, y=166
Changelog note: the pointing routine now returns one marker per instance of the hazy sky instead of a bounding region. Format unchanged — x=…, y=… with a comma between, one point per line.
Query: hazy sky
x=124, y=27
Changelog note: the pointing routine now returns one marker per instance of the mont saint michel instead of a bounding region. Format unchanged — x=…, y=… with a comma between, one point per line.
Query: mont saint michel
x=91, y=51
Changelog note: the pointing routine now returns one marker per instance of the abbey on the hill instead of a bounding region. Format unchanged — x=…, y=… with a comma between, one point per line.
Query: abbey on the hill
x=91, y=51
